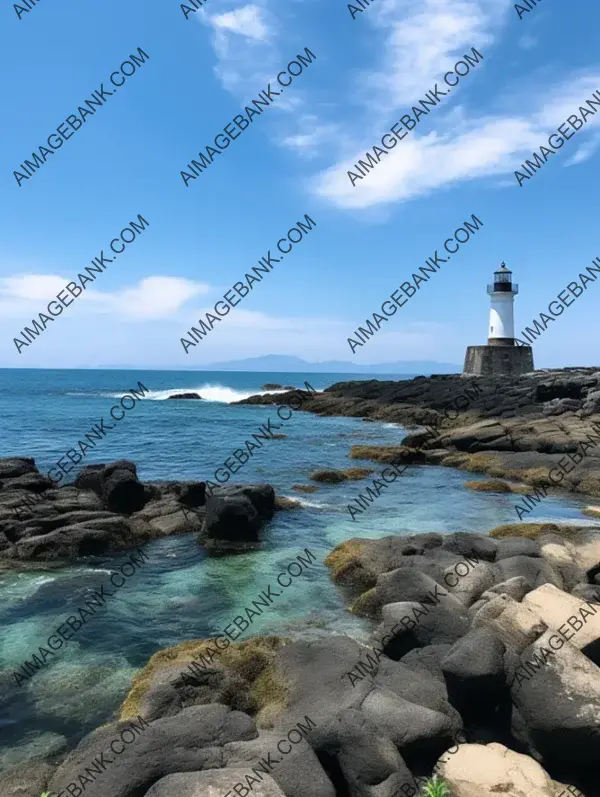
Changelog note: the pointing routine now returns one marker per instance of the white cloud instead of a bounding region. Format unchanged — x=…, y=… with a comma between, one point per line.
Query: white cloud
x=24, y=296
x=247, y=21
x=31, y=287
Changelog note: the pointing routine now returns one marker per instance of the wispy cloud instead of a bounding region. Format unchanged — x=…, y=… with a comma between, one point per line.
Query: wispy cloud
x=244, y=40
x=469, y=149
x=421, y=40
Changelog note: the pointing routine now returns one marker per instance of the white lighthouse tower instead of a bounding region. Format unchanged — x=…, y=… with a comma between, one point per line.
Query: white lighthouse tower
x=503, y=354
x=502, y=294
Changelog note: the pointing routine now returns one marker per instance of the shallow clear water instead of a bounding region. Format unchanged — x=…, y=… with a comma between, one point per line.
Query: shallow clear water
x=179, y=593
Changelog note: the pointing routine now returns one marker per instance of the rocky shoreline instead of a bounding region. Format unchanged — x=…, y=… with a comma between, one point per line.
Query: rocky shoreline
x=484, y=663
x=487, y=649
x=517, y=428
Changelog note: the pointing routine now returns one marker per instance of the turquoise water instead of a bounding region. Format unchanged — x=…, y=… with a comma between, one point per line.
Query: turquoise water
x=179, y=593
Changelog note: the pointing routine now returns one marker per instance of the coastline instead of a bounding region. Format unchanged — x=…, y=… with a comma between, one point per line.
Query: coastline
x=445, y=432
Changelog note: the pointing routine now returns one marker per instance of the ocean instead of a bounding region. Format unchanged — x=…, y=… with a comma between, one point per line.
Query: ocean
x=179, y=593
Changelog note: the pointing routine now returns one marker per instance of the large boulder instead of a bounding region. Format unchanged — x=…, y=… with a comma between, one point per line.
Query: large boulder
x=366, y=758
x=298, y=773
x=474, y=673
x=477, y=770
x=515, y=624
x=419, y=732
x=408, y=625
x=212, y=783
x=469, y=587
x=189, y=742
x=231, y=524
x=580, y=621
x=536, y=570
x=11, y=467
x=235, y=516
x=556, y=691
x=122, y=492
x=261, y=496
x=408, y=584
x=193, y=494
x=91, y=478
x=71, y=542
x=517, y=546
x=476, y=546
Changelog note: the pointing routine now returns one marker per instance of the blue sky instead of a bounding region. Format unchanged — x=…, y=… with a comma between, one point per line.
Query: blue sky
x=294, y=159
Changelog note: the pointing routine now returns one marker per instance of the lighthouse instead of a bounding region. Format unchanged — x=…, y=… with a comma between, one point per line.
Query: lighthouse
x=501, y=355
x=502, y=292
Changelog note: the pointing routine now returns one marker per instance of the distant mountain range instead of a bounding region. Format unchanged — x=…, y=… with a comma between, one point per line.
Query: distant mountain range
x=287, y=363
x=284, y=363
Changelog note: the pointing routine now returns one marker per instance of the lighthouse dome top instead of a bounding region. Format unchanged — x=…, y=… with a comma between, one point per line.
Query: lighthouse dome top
x=503, y=283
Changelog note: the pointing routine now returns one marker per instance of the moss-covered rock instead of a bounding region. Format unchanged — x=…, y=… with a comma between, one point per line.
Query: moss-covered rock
x=367, y=605
x=353, y=474
x=531, y=531
x=282, y=502
x=305, y=488
x=347, y=567
x=489, y=486
x=327, y=476
x=387, y=454
x=246, y=660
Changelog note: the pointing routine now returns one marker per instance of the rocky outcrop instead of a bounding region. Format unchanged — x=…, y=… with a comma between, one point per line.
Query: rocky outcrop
x=235, y=516
x=108, y=509
x=185, y=396
x=515, y=428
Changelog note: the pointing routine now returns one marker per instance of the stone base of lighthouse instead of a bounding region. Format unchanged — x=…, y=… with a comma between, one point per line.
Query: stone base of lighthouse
x=492, y=360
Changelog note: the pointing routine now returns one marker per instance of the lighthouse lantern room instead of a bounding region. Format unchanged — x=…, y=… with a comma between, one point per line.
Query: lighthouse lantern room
x=502, y=319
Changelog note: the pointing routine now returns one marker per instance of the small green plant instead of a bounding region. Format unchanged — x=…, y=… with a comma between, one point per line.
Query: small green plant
x=47, y=794
x=436, y=787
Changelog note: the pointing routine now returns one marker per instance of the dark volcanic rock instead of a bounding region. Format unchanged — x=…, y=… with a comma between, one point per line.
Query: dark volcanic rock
x=442, y=624
x=107, y=509
x=230, y=523
x=234, y=517
x=91, y=478
x=525, y=424
x=193, y=494
x=185, y=396
x=473, y=545
x=191, y=741
x=122, y=492
x=12, y=467
x=356, y=748
x=261, y=496
x=474, y=672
